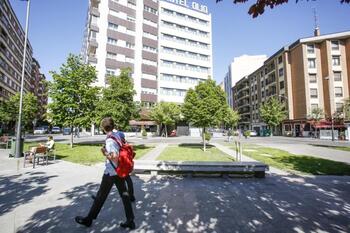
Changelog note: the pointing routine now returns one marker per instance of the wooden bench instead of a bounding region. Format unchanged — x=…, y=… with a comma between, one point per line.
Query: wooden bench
x=37, y=154
x=256, y=169
x=5, y=141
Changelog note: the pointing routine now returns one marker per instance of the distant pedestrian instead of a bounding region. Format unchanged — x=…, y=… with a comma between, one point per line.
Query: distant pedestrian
x=110, y=177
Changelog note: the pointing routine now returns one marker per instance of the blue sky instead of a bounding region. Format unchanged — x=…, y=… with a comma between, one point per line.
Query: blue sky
x=57, y=26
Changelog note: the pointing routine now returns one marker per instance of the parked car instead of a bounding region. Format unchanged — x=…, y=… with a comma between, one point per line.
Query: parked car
x=56, y=129
x=253, y=133
x=39, y=130
x=66, y=131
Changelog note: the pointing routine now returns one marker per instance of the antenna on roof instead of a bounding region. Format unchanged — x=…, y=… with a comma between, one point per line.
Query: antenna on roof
x=317, y=29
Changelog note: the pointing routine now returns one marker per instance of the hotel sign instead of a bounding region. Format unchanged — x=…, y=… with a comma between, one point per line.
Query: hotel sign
x=194, y=5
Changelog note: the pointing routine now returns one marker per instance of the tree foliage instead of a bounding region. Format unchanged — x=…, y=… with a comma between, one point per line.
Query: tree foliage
x=347, y=110
x=166, y=114
x=73, y=96
x=258, y=8
x=316, y=114
x=272, y=112
x=9, y=109
x=231, y=118
x=117, y=100
x=205, y=106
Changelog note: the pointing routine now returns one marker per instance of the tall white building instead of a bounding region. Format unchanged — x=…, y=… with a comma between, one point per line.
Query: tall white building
x=239, y=68
x=185, y=48
x=166, y=43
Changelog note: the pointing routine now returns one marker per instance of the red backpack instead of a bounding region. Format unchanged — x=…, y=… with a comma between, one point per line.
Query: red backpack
x=126, y=158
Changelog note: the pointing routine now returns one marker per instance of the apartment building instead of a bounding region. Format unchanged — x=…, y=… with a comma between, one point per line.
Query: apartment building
x=166, y=43
x=11, y=54
x=241, y=103
x=185, y=48
x=240, y=67
x=39, y=87
x=310, y=73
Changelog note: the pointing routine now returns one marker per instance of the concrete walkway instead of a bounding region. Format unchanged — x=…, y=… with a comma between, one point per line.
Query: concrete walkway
x=153, y=154
x=247, y=159
x=46, y=200
x=314, y=151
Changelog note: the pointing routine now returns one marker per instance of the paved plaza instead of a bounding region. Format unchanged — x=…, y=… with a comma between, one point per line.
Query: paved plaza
x=47, y=198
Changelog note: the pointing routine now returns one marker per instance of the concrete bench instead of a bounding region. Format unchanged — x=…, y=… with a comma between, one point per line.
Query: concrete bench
x=183, y=167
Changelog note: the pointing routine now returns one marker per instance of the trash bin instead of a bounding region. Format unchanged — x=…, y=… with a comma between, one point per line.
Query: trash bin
x=13, y=147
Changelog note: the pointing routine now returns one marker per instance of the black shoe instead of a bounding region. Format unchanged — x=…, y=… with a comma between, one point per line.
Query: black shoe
x=128, y=224
x=132, y=198
x=83, y=221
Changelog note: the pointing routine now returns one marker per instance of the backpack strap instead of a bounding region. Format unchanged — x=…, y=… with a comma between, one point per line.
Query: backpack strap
x=120, y=144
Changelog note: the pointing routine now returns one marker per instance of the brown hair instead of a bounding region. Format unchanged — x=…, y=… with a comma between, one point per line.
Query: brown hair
x=107, y=124
x=50, y=137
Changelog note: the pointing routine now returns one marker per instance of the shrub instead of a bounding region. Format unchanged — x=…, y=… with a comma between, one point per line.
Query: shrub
x=207, y=136
x=246, y=133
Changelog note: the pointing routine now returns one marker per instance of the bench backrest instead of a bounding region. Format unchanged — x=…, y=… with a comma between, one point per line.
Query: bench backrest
x=41, y=150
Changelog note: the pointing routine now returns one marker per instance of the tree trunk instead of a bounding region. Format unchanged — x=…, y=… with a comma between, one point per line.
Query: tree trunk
x=71, y=137
x=272, y=129
x=203, y=133
x=166, y=131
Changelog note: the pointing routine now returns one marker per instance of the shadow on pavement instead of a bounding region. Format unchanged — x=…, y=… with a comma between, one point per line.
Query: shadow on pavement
x=178, y=204
x=15, y=191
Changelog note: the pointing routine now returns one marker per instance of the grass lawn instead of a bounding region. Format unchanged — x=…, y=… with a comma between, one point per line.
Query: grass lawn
x=343, y=148
x=86, y=154
x=301, y=164
x=194, y=152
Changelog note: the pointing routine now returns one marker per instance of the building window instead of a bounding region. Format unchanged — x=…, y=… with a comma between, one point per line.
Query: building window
x=339, y=107
x=112, y=56
x=113, y=26
x=338, y=92
x=279, y=59
x=280, y=72
x=312, y=78
x=311, y=48
x=150, y=10
x=311, y=63
x=314, y=106
x=335, y=45
x=336, y=60
x=112, y=41
x=281, y=85
x=313, y=93
x=337, y=76
x=129, y=45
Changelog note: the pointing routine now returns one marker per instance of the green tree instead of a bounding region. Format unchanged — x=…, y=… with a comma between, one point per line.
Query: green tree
x=73, y=96
x=273, y=113
x=9, y=109
x=347, y=110
x=166, y=114
x=258, y=8
x=316, y=115
x=231, y=118
x=117, y=100
x=205, y=106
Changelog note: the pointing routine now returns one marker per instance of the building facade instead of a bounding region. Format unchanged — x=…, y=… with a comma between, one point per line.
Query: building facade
x=239, y=68
x=310, y=73
x=11, y=54
x=167, y=45
x=39, y=88
x=185, y=49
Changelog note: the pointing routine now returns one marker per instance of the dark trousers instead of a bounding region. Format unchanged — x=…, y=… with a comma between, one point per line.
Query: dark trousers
x=130, y=186
x=102, y=194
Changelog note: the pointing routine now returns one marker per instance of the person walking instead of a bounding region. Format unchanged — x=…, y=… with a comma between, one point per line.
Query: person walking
x=110, y=177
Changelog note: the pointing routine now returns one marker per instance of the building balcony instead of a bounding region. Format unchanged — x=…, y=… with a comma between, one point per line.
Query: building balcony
x=92, y=58
x=94, y=11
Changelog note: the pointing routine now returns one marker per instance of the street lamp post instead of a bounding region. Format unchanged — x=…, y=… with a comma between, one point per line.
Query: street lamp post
x=332, y=123
x=19, y=123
